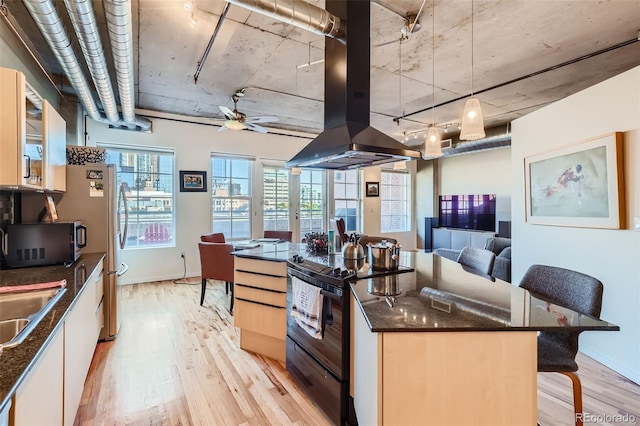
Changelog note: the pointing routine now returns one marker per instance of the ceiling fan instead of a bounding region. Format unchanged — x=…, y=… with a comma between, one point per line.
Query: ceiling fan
x=236, y=120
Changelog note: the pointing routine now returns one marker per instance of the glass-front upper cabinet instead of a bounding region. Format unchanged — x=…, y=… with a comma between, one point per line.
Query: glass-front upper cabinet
x=32, y=137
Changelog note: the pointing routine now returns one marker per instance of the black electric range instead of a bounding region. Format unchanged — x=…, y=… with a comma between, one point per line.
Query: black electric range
x=320, y=366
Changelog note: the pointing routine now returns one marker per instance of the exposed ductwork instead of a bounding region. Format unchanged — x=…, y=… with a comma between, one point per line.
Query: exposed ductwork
x=120, y=31
x=497, y=138
x=84, y=23
x=298, y=13
x=83, y=18
x=48, y=21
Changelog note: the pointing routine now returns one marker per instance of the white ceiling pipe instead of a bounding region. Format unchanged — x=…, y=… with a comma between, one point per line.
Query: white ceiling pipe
x=84, y=23
x=118, y=14
x=298, y=13
x=48, y=21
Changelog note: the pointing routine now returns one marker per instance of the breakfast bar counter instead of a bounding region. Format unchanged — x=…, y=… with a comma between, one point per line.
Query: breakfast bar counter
x=445, y=346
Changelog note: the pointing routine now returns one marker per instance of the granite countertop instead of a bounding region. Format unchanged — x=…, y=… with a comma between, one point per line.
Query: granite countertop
x=15, y=362
x=441, y=295
x=273, y=252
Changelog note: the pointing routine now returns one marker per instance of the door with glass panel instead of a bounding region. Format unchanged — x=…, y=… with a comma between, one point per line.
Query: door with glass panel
x=231, y=196
x=312, y=202
x=277, y=207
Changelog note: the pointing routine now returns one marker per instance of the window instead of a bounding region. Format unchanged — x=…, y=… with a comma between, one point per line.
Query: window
x=312, y=201
x=231, y=196
x=148, y=179
x=346, y=195
x=395, y=201
x=275, y=210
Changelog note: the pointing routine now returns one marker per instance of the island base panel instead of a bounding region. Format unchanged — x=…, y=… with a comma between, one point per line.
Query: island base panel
x=460, y=378
x=262, y=344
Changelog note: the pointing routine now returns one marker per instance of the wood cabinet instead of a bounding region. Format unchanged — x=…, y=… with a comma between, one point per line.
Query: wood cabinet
x=39, y=399
x=32, y=138
x=459, y=238
x=81, y=331
x=443, y=378
x=260, y=291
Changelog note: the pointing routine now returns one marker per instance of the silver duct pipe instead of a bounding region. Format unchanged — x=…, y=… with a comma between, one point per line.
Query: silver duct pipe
x=84, y=23
x=48, y=21
x=121, y=34
x=497, y=137
x=298, y=13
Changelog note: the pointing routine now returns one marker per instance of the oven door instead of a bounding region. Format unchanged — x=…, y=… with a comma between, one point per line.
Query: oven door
x=328, y=349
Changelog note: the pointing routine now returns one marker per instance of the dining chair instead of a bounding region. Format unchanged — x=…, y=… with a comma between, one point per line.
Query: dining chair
x=341, y=230
x=281, y=235
x=479, y=259
x=215, y=237
x=216, y=263
x=557, y=349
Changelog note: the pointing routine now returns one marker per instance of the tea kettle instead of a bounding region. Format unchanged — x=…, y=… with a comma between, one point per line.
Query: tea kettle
x=353, y=253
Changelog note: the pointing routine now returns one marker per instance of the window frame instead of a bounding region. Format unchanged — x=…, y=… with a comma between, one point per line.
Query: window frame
x=146, y=150
x=408, y=200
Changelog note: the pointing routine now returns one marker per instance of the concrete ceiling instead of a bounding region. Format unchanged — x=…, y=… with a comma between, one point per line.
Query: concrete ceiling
x=511, y=39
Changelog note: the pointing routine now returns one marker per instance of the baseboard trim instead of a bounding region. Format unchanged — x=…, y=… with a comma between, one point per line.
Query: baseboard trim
x=634, y=376
x=160, y=278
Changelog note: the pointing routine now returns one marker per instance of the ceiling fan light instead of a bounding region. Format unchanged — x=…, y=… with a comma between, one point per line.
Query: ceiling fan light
x=234, y=125
x=432, y=143
x=472, y=121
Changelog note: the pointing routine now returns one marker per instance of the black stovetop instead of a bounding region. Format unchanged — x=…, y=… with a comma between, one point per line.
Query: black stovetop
x=331, y=268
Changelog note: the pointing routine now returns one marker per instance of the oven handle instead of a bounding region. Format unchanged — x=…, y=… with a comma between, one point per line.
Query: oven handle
x=330, y=294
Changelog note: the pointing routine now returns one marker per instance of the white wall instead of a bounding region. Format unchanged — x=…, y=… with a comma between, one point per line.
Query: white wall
x=485, y=172
x=612, y=256
x=193, y=145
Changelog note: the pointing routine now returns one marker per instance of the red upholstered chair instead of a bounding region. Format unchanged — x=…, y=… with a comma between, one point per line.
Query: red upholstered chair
x=216, y=237
x=282, y=235
x=216, y=263
x=341, y=230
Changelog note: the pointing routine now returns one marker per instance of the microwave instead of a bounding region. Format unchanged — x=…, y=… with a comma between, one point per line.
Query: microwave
x=40, y=244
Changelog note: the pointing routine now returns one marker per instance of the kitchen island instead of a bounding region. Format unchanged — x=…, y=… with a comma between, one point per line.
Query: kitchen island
x=17, y=363
x=445, y=346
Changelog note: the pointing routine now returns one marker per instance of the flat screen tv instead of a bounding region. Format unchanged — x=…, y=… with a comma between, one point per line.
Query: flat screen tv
x=476, y=212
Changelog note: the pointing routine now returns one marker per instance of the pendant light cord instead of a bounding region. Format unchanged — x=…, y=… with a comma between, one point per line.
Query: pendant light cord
x=471, y=48
x=433, y=63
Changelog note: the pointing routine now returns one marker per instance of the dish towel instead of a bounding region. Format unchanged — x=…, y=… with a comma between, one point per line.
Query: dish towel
x=29, y=287
x=306, y=308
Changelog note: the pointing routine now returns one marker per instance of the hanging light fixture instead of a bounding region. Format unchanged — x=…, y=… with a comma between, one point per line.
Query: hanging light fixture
x=433, y=140
x=472, y=120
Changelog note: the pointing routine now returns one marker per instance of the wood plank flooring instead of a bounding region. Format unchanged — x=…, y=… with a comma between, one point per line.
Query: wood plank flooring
x=177, y=363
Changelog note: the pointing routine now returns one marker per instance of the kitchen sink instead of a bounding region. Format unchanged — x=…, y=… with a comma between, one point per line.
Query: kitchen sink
x=21, y=312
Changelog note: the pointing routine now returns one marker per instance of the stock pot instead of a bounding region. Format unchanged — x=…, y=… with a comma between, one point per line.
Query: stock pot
x=383, y=256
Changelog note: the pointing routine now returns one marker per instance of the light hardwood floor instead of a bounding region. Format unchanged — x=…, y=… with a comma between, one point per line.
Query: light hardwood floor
x=177, y=363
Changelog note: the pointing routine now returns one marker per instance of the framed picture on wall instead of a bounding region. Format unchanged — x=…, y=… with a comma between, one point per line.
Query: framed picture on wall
x=579, y=185
x=192, y=181
x=373, y=189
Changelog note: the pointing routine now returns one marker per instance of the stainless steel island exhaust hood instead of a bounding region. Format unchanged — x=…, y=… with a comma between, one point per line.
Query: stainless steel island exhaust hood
x=348, y=141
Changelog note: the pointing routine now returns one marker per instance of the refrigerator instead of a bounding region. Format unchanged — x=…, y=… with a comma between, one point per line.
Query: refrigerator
x=94, y=197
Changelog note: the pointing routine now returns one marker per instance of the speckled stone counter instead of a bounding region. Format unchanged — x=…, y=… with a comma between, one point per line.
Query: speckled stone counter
x=441, y=295
x=273, y=252
x=17, y=361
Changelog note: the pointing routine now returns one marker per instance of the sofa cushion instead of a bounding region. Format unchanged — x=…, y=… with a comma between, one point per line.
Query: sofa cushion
x=497, y=244
x=506, y=253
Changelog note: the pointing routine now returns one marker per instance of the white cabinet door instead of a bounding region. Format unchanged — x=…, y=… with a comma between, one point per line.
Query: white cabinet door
x=38, y=400
x=81, y=331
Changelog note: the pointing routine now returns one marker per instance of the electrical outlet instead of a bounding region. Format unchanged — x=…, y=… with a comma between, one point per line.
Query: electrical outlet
x=182, y=254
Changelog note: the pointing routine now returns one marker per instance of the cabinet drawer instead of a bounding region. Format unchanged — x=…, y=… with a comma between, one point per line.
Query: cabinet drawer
x=260, y=296
x=261, y=266
x=260, y=281
x=267, y=320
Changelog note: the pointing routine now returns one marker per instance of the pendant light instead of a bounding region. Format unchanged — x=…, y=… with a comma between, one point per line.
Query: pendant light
x=433, y=140
x=472, y=121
